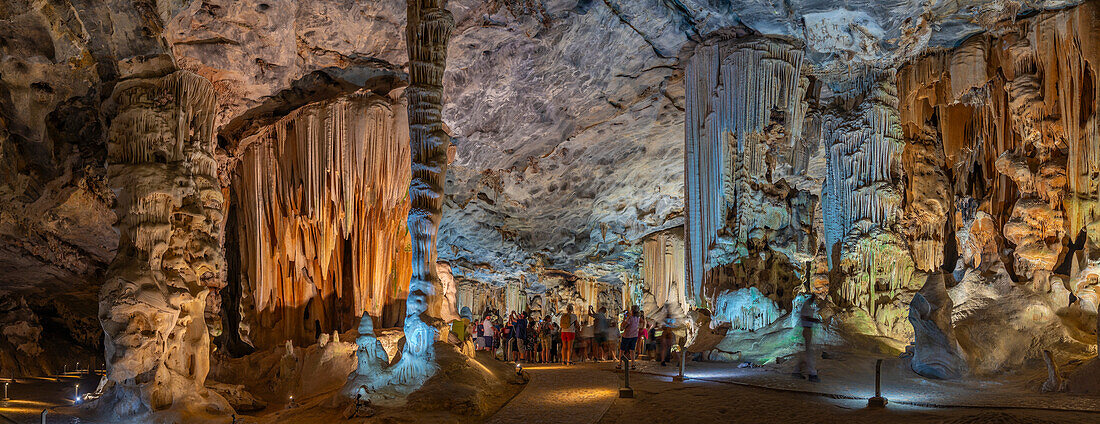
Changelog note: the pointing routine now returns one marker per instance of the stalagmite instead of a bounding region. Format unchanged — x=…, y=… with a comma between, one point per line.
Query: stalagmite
x=929, y=202
x=426, y=34
x=161, y=162
x=445, y=305
x=935, y=351
x=322, y=205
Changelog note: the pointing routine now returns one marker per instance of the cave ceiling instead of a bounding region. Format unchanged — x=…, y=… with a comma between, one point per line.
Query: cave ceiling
x=567, y=116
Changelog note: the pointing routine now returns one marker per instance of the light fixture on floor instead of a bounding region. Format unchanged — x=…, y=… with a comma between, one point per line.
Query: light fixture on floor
x=877, y=401
x=519, y=368
x=626, y=392
x=6, y=390
x=76, y=393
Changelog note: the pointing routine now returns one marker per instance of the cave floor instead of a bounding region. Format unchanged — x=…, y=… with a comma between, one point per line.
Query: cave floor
x=29, y=396
x=713, y=392
x=721, y=392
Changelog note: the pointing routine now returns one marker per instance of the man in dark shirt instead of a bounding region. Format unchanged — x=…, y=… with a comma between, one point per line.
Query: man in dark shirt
x=521, y=337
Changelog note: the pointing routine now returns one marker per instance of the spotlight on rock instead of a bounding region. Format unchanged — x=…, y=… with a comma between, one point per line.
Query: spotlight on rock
x=519, y=369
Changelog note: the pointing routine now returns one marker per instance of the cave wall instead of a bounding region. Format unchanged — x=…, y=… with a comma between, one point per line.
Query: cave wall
x=322, y=196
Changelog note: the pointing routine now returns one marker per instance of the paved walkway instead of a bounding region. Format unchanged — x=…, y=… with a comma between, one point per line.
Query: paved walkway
x=853, y=378
x=559, y=394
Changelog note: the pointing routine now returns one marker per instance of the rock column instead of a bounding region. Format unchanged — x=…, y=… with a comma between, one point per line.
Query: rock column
x=161, y=164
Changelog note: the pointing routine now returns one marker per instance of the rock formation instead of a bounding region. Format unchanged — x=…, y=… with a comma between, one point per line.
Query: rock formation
x=863, y=198
x=426, y=33
x=321, y=202
x=746, y=224
x=170, y=206
x=935, y=351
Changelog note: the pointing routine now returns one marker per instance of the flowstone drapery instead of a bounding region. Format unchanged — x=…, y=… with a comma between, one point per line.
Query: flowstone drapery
x=747, y=220
x=322, y=203
x=161, y=163
x=862, y=198
x=663, y=273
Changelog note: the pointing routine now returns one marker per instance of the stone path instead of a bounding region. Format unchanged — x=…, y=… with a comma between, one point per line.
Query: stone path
x=853, y=378
x=559, y=394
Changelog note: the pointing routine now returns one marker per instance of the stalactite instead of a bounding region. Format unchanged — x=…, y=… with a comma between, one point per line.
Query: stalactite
x=663, y=271
x=426, y=34
x=862, y=196
x=161, y=163
x=1017, y=112
x=745, y=113
x=323, y=201
x=928, y=199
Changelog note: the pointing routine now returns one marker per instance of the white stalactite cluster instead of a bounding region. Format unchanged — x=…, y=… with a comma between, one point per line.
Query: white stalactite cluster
x=745, y=110
x=322, y=205
x=161, y=163
x=862, y=196
x=663, y=273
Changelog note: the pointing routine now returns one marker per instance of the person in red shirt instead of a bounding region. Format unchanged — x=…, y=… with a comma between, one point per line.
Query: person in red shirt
x=569, y=328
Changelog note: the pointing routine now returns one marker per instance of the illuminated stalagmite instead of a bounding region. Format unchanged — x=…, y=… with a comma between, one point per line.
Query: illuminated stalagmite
x=322, y=202
x=161, y=163
x=426, y=34
x=746, y=223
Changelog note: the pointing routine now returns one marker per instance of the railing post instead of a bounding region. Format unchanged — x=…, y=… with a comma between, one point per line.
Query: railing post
x=626, y=392
x=878, y=401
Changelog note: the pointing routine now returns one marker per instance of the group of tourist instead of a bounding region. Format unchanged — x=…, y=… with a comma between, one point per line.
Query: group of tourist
x=568, y=338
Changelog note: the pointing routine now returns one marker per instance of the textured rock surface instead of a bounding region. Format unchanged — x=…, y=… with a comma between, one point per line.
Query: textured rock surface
x=152, y=306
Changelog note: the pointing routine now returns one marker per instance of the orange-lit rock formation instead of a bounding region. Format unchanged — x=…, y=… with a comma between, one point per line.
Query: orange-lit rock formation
x=322, y=199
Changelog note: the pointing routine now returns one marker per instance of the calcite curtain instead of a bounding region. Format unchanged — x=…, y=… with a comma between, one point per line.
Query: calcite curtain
x=663, y=269
x=744, y=118
x=323, y=201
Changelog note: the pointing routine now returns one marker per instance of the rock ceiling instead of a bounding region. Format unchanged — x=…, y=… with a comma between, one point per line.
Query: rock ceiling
x=567, y=116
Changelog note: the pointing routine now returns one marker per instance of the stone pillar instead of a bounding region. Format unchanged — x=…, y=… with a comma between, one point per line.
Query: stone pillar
x=427, y=32
x=161, y=164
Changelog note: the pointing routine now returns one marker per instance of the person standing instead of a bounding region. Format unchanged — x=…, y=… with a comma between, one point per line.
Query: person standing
x=569, y=328
x=546, y=338
x=555, y=340
x=665, y=340
x=508, y=336
x=587, y=335
x=532, y=341
x=613, y=337
x=601, y=333
x=487, y=332
x=630, y=327
x=520, y=328
x=807, y=317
